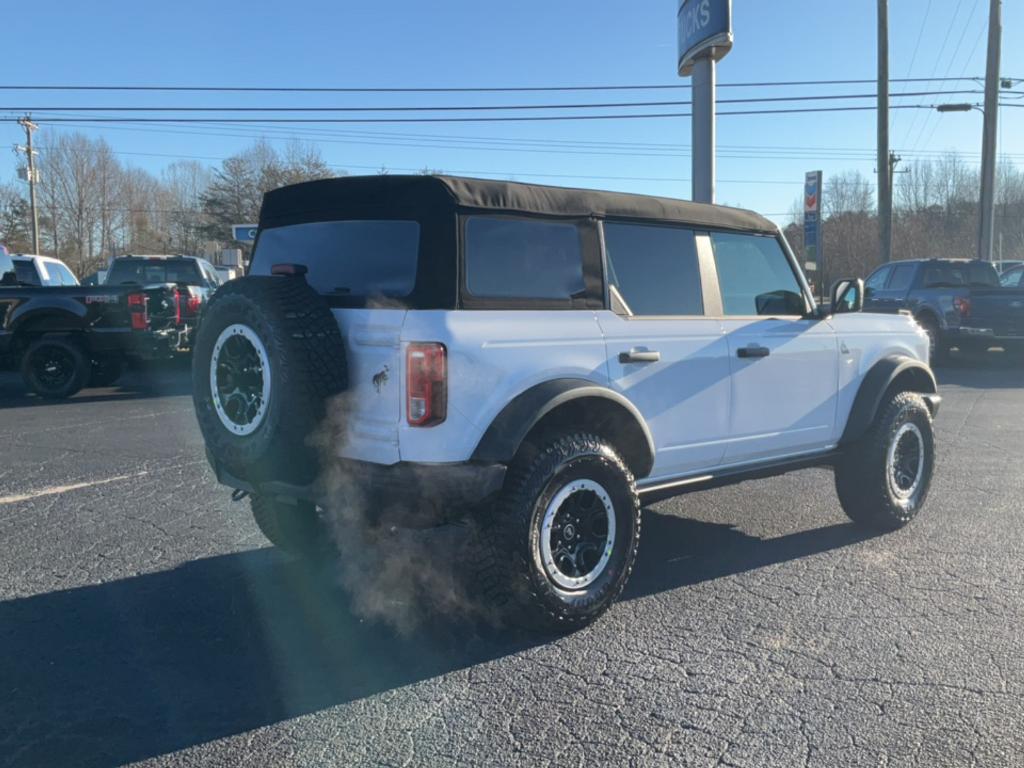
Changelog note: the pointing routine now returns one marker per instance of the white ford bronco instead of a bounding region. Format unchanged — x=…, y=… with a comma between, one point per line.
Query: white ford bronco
x=543, y=361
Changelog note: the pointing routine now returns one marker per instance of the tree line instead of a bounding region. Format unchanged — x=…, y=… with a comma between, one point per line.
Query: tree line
x=935, y=215
x=91, y=206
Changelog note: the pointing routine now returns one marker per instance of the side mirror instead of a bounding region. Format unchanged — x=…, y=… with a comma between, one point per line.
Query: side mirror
x=847, y=295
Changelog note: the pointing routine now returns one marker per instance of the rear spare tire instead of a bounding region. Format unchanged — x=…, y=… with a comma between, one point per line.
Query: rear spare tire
x=267, y=357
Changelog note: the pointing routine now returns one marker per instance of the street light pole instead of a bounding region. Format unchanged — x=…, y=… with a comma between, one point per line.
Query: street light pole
x=29, y=127
x=986, y=223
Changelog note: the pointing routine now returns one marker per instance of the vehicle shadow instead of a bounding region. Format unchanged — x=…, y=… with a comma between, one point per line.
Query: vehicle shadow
x=131, y=669
x=135, y=384
x=988, y=370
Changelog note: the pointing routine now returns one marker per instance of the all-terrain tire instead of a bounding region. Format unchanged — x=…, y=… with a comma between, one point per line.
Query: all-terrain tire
x=297, y=529
x=510, y=567
x=54, y=367
x=305, y=366
x=873, y=491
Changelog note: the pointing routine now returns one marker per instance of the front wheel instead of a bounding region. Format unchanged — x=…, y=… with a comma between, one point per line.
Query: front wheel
x=54, y=367
x=883, y=479
x=560, y=545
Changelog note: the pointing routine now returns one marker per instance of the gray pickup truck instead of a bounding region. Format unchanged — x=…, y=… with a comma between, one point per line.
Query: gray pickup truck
x=959, y=302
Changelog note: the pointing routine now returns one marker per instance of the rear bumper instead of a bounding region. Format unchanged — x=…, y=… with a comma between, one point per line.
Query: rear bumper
x=403, y=494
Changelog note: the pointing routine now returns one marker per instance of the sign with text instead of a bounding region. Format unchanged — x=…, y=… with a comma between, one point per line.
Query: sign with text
x=812, y=221
x=244, y=233
x=704, y=26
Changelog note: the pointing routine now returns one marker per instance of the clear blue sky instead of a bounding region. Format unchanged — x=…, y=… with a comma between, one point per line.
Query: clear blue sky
x=396, y=43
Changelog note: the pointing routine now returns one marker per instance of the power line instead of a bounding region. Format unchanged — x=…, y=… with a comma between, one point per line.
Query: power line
x=477, y=107
x=488, y=89
x=500, y=119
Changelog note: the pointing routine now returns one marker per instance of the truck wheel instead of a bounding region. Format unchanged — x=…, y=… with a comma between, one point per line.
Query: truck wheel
x=938, y=347
x=297, y=529
x=559, y=546
x=106, y=370
x=883, y=478
x=54, y=367
x=267, y=357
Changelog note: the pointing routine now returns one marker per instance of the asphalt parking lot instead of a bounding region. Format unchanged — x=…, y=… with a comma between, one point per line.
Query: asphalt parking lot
x=143, y=618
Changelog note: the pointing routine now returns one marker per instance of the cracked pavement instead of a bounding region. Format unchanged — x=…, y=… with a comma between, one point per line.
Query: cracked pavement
x=145, y=620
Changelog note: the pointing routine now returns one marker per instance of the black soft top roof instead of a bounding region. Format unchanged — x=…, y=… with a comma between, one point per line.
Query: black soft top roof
x=417, y=196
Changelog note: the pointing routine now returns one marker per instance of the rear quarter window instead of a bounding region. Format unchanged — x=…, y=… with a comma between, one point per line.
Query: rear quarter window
x=512, y=258
x=356, y=257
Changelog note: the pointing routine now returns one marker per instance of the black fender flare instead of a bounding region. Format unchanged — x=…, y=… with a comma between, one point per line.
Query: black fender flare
x=877, y=382
x=501, y=441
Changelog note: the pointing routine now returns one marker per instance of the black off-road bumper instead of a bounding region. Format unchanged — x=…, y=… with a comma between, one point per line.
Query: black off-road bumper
x=404, y=494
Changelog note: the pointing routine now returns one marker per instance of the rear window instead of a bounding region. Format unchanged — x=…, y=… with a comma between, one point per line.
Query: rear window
x=654, y=269
x=147, y=272
x=26, y=272
x=509, y=258
x=358, y=257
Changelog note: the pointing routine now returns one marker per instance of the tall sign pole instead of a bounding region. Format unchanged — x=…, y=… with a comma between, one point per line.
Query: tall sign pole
x=986, y=224
x=29, y=127
x=884, y=183
x=705, y=36
x=813, y=258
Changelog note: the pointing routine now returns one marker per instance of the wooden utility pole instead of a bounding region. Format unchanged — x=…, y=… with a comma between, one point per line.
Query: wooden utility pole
x=29, y=127
x=986, y=224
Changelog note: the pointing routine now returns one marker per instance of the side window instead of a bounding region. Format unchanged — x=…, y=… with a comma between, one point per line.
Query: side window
x=59, y=270
x=654, y=269
x=902, y=275
x=522, y=258
x=755, y=276
x=1012, y=279
x=49, y=275
x=877, y=280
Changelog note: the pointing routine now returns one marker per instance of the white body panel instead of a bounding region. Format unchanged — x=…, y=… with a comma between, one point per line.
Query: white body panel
x=784, y=403
x=685, y=396
x=706, y=408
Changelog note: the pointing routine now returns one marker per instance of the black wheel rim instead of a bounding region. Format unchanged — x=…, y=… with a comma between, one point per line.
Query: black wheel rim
x=239, y=380
x=578, y=534
x=906, y=461
x=53, y=367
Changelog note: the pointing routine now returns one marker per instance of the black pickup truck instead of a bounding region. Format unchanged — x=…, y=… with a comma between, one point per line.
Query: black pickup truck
x=65, y=338
x=959, y=302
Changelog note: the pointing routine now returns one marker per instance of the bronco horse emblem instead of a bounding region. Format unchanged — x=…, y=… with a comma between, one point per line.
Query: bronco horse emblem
x=380, y=379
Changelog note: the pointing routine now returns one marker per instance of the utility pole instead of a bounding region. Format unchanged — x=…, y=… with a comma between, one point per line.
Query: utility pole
x=29, y=127
x=986, y=223
x=884, y=179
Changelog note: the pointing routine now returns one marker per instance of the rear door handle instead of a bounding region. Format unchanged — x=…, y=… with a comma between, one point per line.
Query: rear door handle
x=753, y=350
x=639, y=356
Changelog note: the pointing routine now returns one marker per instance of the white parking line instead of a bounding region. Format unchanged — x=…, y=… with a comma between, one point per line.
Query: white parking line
x=64, y=488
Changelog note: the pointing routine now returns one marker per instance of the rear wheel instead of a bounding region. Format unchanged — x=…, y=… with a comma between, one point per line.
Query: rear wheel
x=54, y=367
x=106, y=370
x=883, y=479
x=297, y=529
x=559, y=546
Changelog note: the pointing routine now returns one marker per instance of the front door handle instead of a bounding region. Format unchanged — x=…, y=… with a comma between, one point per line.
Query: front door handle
x=753, y=350
x=639, y=356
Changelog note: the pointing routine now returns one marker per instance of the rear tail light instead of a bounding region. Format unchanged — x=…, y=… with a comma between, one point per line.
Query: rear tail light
x=177, y=307
x=426, y=366
x=962, y=304
x=138, y=308
x=193, y=305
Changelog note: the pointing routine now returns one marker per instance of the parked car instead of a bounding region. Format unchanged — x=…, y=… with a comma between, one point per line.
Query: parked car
x=195, y=279
x=959, y=303
x=42, y=270
x=541, y=361
x=63, y=338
